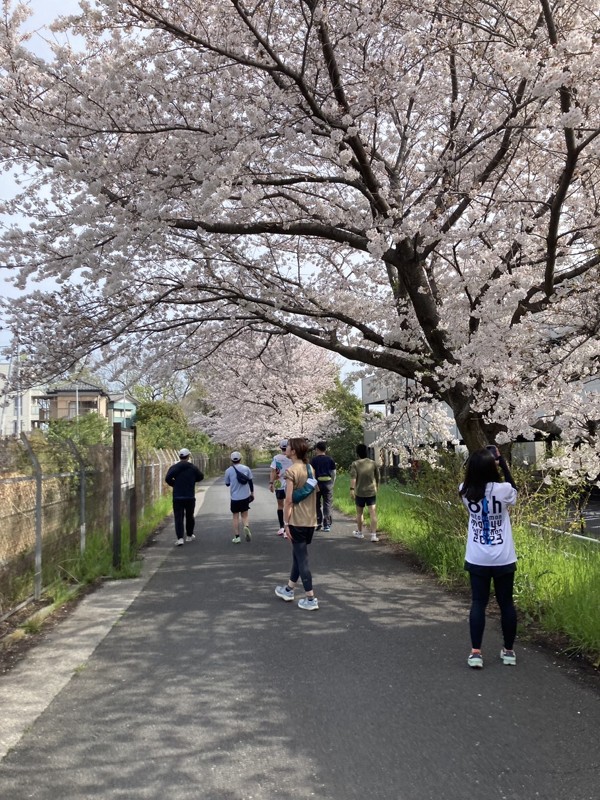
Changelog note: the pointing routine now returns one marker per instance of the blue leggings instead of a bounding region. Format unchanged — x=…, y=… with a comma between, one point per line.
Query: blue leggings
x=480, y=594
x=300, y=568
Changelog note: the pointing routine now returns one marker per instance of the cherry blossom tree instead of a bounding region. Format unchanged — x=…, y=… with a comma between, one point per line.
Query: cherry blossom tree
x=259, y=393
x=413, y=185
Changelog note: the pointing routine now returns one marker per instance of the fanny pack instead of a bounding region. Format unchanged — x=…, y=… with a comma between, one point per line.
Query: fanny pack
x=304, y=491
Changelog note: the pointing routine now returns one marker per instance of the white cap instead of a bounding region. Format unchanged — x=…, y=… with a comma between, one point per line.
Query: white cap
x=235, y=456
x=184, y=452
x=283, y=444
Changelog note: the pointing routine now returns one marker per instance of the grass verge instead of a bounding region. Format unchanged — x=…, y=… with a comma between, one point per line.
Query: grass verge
x=72, y=573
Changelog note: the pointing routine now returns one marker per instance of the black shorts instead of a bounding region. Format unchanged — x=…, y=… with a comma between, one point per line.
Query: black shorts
x=361, y=502
x=238, y=506
x=280, y=494
x=490, y=572
x=301, y=534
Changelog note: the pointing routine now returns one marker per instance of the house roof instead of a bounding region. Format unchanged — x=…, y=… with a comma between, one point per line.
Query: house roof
x=76, y=386
x=122, y=397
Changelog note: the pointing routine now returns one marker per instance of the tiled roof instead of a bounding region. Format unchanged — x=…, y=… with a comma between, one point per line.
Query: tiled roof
x=76, y=386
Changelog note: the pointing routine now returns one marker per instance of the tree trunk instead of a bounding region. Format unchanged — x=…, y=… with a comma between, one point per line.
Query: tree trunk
x=475, y=433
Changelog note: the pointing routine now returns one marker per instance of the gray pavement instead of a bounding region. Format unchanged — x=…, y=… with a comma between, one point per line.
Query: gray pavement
x=197, y=682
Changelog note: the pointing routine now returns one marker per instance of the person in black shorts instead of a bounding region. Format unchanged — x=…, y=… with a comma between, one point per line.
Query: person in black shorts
x=364, y=482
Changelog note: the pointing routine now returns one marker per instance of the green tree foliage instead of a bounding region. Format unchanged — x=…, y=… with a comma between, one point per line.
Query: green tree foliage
x=84, y=431
x=163, y=425
x=349, y=411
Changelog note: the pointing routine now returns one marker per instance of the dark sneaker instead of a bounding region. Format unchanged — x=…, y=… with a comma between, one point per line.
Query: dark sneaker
x=475, y=660
x=308, y=603
x=326, y=529
x=285, y=593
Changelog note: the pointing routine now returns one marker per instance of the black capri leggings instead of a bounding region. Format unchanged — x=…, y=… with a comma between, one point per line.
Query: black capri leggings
x=301, y=538
x=480, y=595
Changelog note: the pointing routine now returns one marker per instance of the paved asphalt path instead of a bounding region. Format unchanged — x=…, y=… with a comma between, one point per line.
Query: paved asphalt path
x=197, y=682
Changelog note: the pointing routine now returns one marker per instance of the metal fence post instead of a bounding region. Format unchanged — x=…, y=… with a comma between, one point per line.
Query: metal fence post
x=116, y=495
x=133, y=498
x=37, y=584
x=82, y=489
x=157, y=487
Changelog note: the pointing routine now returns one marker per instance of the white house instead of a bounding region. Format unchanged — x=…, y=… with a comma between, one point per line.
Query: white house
x=20, y=409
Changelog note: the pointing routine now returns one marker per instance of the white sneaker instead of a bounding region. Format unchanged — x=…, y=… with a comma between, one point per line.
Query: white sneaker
x=190, y=538
x=309, y=604
x=475, y=660
x=358, y=534
x=374, y=537
x=179, y=542
x=508, y=657
x=285, y=593
x=281, y=532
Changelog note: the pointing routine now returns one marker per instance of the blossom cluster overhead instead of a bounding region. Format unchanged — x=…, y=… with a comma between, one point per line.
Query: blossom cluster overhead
x=259, y=393
x=415, y=186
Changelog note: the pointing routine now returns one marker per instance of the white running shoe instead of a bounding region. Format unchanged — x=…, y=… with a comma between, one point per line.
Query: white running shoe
x=374, y=537
x=358, y=534
x=475, y=660
x=247, y=533
x=281, y=532
x=285, y=593
x=309, y=604
x=190, y=538
x=508, y=657
x=179, y=542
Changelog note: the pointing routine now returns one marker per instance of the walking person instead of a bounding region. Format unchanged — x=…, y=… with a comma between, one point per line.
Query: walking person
x=325, y=472
x=490, y=552
x=300, y=519
x=364, y=482
x=182, y=478
x=241, y=489
x=279, y=465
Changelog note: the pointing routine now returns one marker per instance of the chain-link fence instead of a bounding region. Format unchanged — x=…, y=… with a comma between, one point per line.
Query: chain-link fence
x=54, y=496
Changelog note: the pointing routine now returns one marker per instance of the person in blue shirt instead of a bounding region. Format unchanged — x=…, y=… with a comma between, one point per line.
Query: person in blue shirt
x=324, y=468
x=241, y=489
x=183, y=477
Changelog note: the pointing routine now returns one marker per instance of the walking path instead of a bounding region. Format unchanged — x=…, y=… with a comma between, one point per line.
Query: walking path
x=197, y=682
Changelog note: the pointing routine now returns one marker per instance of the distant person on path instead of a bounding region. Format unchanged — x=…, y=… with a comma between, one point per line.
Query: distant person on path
x=364, y=482
x=241, y=489
x=324, y=467
x=300, y=519
x=279, y=465
x=490, y=552
x=182, y=478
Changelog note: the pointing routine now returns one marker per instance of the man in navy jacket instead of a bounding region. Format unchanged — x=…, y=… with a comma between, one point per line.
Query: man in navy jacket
x=183, y=477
